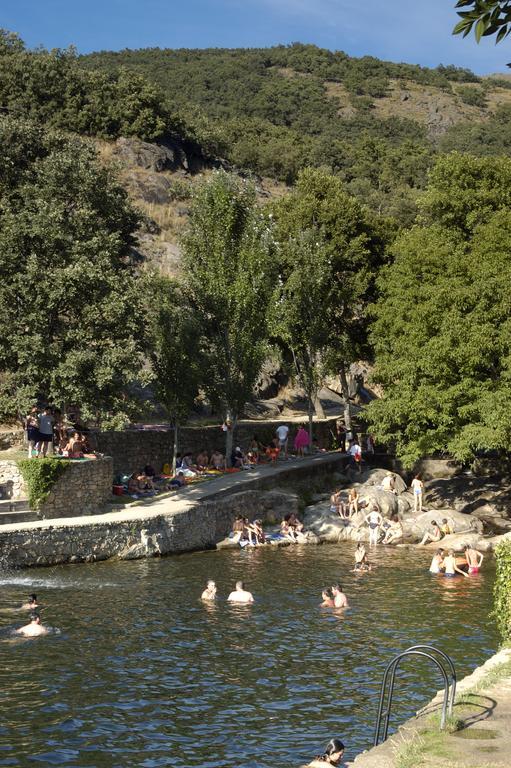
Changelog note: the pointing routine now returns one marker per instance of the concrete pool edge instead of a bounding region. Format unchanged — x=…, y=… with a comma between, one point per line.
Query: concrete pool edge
x=385, y=755
x=196, y=519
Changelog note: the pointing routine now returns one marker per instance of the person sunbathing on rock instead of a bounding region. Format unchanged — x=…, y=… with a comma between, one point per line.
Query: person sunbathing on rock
x=353, y=501
x=394, y=531
x=434, y=535
x=446, y=528
x=336, y=503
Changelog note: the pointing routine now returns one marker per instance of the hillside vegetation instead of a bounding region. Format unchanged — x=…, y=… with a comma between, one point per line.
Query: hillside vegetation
x=375, y=124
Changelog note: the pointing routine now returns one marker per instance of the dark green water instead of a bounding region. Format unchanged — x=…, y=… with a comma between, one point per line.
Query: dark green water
x=143, y=674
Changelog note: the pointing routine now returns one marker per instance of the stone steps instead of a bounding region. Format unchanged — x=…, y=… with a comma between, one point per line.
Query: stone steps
x=16, y=511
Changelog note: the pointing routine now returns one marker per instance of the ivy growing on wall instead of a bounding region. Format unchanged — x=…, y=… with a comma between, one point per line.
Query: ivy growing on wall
x=502, y=590
x=40, y=475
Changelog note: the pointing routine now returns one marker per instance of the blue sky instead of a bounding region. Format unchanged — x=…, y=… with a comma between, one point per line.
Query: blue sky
x=417, y=31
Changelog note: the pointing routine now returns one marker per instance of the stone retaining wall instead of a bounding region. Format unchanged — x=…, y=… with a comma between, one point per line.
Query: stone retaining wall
x=12, y=485
x=198, y=526
x=133, y=449
x=83, y=489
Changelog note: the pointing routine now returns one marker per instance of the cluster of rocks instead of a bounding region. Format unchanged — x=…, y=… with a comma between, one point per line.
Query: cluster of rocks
x=455, y=499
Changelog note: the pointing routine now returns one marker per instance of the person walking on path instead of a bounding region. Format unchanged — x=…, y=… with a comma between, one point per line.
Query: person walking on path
x=418, y=490
x=355, y=452
x=283, y=435
x=301, y=441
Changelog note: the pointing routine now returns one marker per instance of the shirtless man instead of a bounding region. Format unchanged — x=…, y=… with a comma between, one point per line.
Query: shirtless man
x=388, y=483
x=240, y=594
x=328, y=598
x=210, y=591
x=340, y=599
x=217, y=461
x=451, y=568
x=33, y=629
x=474, y=559
x=437, y=562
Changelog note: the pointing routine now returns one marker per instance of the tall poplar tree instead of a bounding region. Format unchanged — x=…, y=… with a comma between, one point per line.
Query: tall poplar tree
x=228, y=262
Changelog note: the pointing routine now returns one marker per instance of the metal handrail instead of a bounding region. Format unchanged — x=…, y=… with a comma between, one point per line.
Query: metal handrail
x=425, y=652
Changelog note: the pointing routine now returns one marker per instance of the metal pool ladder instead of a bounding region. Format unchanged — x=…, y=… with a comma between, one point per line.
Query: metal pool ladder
x=444, y=664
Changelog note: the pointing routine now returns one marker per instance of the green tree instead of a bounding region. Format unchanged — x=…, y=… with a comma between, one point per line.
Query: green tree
x=442, y=328
x=350, y=252
x=228, y=259
x=175, y=353
x=485, y=17
x=299, y=324
x=69, y=305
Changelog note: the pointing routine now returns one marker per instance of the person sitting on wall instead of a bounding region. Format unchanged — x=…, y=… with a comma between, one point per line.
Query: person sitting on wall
x=202, y=461
x=254, y=450
x=74, y=448
x=238, y=529
x=178, y=481
x=255, y=533
x=237, y=458
x=145, y=484
x=217, y=461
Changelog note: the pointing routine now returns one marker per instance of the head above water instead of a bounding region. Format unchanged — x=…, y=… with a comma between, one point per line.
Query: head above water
x=334, y=751
x=240, y=586
x=35, y=618
x=440, y=551
x=32, y=598
x=336, y=588
x=211, y=584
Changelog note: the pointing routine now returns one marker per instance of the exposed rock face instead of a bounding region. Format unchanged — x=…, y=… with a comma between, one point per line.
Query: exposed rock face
x=489, y=497
x=460, y=523
x=169, y=156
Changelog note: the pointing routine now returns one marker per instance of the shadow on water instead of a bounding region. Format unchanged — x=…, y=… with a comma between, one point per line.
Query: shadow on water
x=146, y=674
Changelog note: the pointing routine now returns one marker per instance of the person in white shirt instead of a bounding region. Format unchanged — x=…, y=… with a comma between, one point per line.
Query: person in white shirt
x=355, y=452
x=240, y=594
x=283, y=434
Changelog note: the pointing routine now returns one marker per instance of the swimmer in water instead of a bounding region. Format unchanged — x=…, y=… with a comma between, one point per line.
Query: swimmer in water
x=340, y=599
x=361, y=563
x=328, y=598
x=437, y=562
x=451, y=568
x=31, y=604
x=474, y=559
x=210, y=591
x=332, y=755
x=33, y=629
x=240, y=594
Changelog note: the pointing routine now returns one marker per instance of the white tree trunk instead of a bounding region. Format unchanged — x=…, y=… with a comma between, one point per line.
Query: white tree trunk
x=346, y=397
x=174, y=453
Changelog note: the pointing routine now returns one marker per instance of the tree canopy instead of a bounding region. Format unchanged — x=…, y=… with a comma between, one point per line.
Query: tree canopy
x=485, y=17
x=442, y=328
x=69, y=304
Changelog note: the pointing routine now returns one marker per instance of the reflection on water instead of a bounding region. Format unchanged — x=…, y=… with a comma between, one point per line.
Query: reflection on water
x=145, y=674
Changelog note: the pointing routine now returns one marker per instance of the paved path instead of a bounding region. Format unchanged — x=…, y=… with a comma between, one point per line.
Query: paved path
x=265, y=475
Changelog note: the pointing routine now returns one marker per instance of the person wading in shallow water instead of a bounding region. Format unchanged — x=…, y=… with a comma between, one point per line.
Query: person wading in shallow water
x=210, y=591
x=240, y=594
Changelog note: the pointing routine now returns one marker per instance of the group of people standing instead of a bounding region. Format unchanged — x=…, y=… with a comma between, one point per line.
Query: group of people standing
x=48, y=433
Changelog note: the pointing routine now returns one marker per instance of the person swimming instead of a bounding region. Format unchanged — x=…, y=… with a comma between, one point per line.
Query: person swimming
x=332, y=755
x=437, y=561
x=328, y=598
x=34, y=628
x=31, y=603
x=210, y=591
x=451, y=567
x=240, y=594
x=340, y=599
x=474, y=559
x=361, y=563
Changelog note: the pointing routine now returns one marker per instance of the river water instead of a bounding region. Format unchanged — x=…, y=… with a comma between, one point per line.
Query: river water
x=141, y=673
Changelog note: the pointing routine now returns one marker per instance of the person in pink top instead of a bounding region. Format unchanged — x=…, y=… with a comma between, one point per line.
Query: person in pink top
x=301, y=441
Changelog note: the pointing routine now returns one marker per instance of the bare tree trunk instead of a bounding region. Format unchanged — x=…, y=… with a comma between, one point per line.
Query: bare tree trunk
x=310, y=409
x=320, y=413
x=174, y=452
x=346, y=397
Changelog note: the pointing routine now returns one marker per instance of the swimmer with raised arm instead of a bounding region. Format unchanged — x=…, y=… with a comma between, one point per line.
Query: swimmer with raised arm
x=240, y=594
x=210, y=591
x=34, y=628
x=474, y=559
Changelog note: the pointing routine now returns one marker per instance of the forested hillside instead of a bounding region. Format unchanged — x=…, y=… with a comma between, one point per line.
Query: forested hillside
x=375, y=124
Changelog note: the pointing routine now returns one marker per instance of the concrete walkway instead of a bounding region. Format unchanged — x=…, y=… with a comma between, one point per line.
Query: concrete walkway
x=263, y=477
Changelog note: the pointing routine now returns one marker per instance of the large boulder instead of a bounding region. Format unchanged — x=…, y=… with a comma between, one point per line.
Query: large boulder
x=385, y=500
x=152, y=157
x=375, y=478
x=416, y=525
x=328, y=526
x=434, y=469
x=469, y=494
